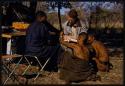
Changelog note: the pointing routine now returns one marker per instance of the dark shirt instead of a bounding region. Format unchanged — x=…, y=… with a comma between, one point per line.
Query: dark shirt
x=37, y=44
x=53, y=39
x=51, y=28
x=36, y=37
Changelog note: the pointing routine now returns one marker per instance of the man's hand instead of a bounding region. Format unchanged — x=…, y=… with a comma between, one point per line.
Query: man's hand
x=61, y=37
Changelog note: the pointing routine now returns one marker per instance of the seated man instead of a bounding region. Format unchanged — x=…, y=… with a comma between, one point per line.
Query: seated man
x=73, y=26
x=37, y=36
x=99, y=56
x=76, y=67
x=54, y=33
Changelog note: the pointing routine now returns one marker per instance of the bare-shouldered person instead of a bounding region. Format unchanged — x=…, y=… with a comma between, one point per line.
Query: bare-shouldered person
x=79, y=49
x=101, y=55
x=76, y=67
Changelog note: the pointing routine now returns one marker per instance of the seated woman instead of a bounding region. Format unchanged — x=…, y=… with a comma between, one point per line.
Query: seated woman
x=76, y=67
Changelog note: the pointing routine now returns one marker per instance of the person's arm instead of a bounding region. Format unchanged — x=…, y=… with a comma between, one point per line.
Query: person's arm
x=103, y=54
x=61, y=33
x=103, y=58
x=43, y=34
x=67, y=44
x=53, y=30
x=70, y=45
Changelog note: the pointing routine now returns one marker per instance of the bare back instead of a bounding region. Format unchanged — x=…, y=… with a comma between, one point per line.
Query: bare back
x=81, y=52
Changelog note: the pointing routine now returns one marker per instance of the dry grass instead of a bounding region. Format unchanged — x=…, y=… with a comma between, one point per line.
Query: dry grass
x=115, y=76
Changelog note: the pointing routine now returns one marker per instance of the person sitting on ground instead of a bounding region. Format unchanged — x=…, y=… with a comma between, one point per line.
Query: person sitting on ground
x=76, y=67
x=99, y=56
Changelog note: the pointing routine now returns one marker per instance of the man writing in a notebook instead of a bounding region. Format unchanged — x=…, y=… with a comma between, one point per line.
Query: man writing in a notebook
x=73, y=26
x=71, y=30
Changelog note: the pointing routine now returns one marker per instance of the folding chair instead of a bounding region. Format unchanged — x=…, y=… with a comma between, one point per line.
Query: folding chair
x=41, y=66
x=5, y=67
x=29, y=65
x=7, y=71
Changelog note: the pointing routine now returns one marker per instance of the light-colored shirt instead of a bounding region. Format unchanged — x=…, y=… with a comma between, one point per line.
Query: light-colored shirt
x=72, y=33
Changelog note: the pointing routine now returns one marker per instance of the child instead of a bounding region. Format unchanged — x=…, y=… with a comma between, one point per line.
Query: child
x=100, y=58
x=76, y=67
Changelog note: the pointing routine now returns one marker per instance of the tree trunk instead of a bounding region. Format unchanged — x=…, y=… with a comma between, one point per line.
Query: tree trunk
x=33, y=5
x=59, y=16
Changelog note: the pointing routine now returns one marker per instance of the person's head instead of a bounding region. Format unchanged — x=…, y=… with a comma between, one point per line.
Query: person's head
x=82, y=38
x=72, y=16
x=91, y=36
x=41, y=16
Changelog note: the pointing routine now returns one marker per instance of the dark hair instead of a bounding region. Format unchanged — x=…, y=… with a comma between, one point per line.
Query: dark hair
x=85, y=37
x=40, y=13
x=73, y=13
x=91, y=32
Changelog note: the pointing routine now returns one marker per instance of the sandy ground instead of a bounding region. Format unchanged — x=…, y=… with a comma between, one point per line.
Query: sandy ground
x=115, y=76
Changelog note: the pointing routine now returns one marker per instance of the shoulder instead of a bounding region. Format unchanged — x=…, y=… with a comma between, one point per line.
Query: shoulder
x=36, y=24
x=41, y=25
x=97, y=43
x=65, y=23
x=99, y=46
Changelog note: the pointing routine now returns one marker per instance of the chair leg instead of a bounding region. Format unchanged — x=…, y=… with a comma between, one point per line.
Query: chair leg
x=7, y=71
x=38, y=61
x=28, y=65
x=42, y=68
x=12, y=71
